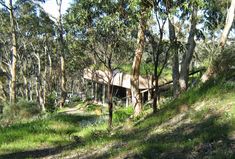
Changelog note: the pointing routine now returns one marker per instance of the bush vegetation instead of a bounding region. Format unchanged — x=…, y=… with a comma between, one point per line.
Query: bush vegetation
x=22, y=110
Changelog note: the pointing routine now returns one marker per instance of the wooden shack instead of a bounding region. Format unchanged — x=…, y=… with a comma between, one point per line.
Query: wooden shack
x=121, y=85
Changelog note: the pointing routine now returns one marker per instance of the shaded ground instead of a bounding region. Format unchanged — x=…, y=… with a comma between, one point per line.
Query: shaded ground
x=205, y=130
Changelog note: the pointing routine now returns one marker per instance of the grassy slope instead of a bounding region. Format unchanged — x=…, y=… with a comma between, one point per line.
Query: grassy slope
x=205, y=130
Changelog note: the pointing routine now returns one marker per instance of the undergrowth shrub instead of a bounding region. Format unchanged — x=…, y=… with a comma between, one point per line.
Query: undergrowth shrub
x=122, y=114
x=76, y=99
x=92, y=107
x=23, y=109
x=50, y=102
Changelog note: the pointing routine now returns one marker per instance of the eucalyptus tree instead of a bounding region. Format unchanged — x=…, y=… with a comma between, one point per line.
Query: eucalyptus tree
x=34, y=30
x=13, y=29
x=228, y=23
x=109, y=44
x=5, y=62
x=174, y=46
x=191, y=44
x=47, y=32
x=144, y=8
x=160, y=48
x=62, y=49
x=105, y=33
x=14, y=50
x=186, y=11
x=28, y=23
x=216, y=18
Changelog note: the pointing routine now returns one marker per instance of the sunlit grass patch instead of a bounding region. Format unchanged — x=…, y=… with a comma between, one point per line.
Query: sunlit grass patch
x=52, y=131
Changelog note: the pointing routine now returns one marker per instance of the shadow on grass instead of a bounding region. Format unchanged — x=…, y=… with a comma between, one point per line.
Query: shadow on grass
x=40, y=153
x=206, y=139
x=73, y=118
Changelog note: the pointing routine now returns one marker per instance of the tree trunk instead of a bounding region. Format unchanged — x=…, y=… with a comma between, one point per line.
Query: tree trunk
x=30, y=88
x=14, y=54
x=63, y=82
x=136, y=96
x=50, y=73
x=175, y=61
x=25, y=87
x=228, y=24
x=39, y=85
x=229, y=21
x=44, y=85
x=155, y=94
x=155, y=55
x=110, y=95
x=183, y=80
x=110, y=104
x=62, y=57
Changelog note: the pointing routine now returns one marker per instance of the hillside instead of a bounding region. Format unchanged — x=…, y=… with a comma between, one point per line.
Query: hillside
x=200, y=124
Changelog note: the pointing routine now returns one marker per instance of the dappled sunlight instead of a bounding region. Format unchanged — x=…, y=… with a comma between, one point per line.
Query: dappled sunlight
x=203, y=129
x=118, y=79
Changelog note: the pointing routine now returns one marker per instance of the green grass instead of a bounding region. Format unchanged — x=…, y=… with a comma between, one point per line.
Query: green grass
x=52, y=131
x=204, y=131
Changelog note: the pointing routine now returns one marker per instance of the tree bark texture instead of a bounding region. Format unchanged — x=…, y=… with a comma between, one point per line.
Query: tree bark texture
x=228, y=24
x=110, y=104
x=14, y=54
x=62, y=57
x=40, y=93
x=191, y=44
x=136, y=95
x=175, y=60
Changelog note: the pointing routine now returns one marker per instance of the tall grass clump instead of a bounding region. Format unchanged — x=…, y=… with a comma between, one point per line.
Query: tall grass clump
x=121, y=114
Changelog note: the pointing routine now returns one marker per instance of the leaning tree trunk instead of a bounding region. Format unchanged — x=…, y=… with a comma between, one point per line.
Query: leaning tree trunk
x=14, y=54
x=62, y=58
x=228, y=24
x=229, y=21
x=183, y=80
x=136, y=95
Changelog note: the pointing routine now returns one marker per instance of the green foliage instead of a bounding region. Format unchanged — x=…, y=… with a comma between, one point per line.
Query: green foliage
x=23, y=109
x=75, y=99
x=50, y=102
x=215, y=14
x=92, y=107
x=121, y=114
